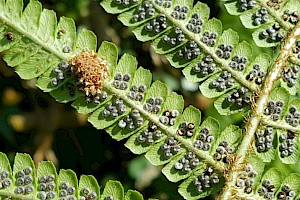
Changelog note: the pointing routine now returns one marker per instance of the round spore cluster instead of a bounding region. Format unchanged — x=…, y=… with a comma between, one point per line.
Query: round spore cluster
x=158, y=24
x=24, y=181
x=137, y=92
x=149, y=135
x=223, y=51
x=195, y=23
x=267, y=189
x=189, y=51
x=238, y=63
x=180, y=12
x=247, y=4
x=291, y=17
x=144, y=11
x=126, y=3
x=256, y=75
x=131, y=121
x=5, y=180
x=109, y=197
x=206, y=180
x=239, y=97
x=293, y=117
x=164, y=3
x=186, y=129
x=245, y=180
x=205, y=139
x=290, y=75
x=287, y=144
x=206, y=66
x=87, y=194
x=223, y=82
x=296, y=49
x=62, y=71
x=46, y=187
x=114, y=109
x=275, y=4
x=169, y=117
x=97, y=99
x=272, y=34
x=187, y=163
x=170, y=147
x=260, y=17
x=274, y=109
x=209, y=38
x=223, y=152
x=153, y=105
x=264, y=139
x=286, y=193
x=67, y=192
x=121, y=81
x=177, y=37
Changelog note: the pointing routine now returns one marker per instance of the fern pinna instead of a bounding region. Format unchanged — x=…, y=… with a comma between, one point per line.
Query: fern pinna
x=123, y=101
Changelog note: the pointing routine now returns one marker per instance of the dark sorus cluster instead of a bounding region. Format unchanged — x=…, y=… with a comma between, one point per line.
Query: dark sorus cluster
x=291, y=17
x=86, y=194
x=164, y=3
x=180, y=12
x=126, y=3
x=274, y=109
x=223, y=82
x=247, y=4
x=158, y=24
x=246, y=179
x=137, y=92
x=97, y=99
x=223, y=51
x=145, y=10
x=71, y=88
x=67, y=192
x=205, y=139
x=239, y=97
x=206, y=66
x=260, y=17
x=114, y=109
x=296, y=49
x=109, y=197
x=287, y=144
x=264, y=139
x=176, y=39
x=195, y=23
x=170, y=147
x=149, y=135
x=238, y=63
x=121, y=81
x=206, y=180
x=186, y=129
x=169, y=117
x=272, y=34
x=286, y=193
x=67, y=49
x=267, y=189
x=9, y=36
x=256, y=75
x=61, y=71
x=46, y=187
x=189, y=51
x=223, y=152
x=290, y=75
x=153, y=104
x=275, y=4
x=131, y=121
x=293, y=117
x=188, y=162
x=209, y=38
x=24, y=181
x=5, y=181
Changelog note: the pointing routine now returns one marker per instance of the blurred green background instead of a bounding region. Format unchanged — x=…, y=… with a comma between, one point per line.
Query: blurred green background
x=32, y=122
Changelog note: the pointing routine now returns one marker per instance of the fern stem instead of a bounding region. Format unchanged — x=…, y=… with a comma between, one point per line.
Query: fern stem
x=223, y=65
x=256, y=117
x=12, y=195
x=209, y=159
x=280, y=124
x=274, y=14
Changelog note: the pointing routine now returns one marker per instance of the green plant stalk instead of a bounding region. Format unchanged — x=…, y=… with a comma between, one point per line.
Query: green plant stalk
x=256, y=117
x=280, y=124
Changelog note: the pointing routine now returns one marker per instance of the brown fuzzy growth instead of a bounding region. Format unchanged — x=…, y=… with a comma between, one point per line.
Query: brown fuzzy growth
x=90, y=72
